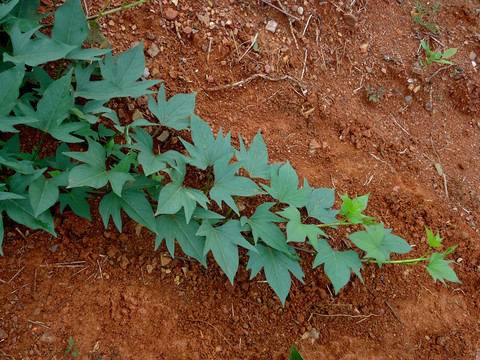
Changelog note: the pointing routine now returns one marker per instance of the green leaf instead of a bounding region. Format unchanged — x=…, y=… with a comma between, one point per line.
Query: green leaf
x=70, y=26
x=20, y=211
x=54, y=107
x=207, y=150
x=175, y=196
x=34, y=52
x=379, y=243
x=144, y=144
x=449, y=53
x=176, y=112
x=433, y=240
x=5, y=9
x=76, y=199
x=7, y=122
x=263, y=226
x=284, y=187
x=296, y=230
x=276, y=265
x=227, y=184
x=175, y=227
x=43, y=194
x=319, y=203
x=120, y=75
x=134, y=203
x=94, y=172
x=223, y=241
x=294, y=354
x=11, y=80
x=439, y=268
x=352, y=209
x=337, y=264
x=255, y=159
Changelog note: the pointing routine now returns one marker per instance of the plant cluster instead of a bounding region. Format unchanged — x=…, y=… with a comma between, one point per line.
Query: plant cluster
x=424, y=14
x=438, y=57
x=374, y=94
x=151, y=187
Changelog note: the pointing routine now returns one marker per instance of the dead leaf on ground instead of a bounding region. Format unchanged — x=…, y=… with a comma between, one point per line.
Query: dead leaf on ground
x=312, y=335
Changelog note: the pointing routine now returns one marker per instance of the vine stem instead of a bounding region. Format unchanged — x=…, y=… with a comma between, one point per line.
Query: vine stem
x=109, y=12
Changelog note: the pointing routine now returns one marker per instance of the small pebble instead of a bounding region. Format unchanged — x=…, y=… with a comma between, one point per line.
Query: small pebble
x=408, y=99
x=271, y=26
x=350, y=20
x=300, y=10
x=473, y=56
x=170, y=14
x=3, y=334
x=163, y=136
x=153, y=50
x=428, y=106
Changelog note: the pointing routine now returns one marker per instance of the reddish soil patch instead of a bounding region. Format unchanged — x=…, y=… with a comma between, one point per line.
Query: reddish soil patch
x=124, y=301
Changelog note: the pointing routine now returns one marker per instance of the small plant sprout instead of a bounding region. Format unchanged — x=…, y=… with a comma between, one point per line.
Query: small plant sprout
x=374, y=94
x=71, y=348
x=438, y=57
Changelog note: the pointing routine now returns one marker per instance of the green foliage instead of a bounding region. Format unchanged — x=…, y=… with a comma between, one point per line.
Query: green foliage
x=423, y=15
x=294, y=354
x=131, y=178
x=437, y=57
x=71, y=349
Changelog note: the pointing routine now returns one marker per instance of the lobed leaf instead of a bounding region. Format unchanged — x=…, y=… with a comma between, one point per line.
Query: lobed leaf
x=284, y=187
x=263, y=226
x=255, y=159
x=76, y=199
x=207, y=150
x=223, y=241
x=70, y=26
x=276, y=265
x=176, y=112
x=11, y=80
x=379, y=243
x=296, y=230
x=338, y=265
x=227, y=184
x=439, y=268
x=175, y=227
x=319, y=203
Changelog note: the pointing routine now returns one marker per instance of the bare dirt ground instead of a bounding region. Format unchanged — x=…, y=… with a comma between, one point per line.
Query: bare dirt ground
x=416, y=151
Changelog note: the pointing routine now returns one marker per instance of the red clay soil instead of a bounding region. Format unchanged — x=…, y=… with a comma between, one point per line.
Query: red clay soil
x=416, y=151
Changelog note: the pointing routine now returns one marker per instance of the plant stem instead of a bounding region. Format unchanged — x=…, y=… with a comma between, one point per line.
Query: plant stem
x=109, y=12
x=39, y=146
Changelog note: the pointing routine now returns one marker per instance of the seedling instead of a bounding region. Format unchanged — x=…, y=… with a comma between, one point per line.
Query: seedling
x=71, y=348
x=437, y=57
x=422, y=15
x=374, y=94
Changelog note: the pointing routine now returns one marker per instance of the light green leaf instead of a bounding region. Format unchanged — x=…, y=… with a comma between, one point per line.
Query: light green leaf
x=7, y=123
x=176, y=112
x=255, y=159
x=175, y=227
x=11, y=80
x=263, y=226
x=207, y=150
x=76, y=199
x=433, y=240
x=337, y=264
x=439, y=268
x=379, y=243
x=296, y=230
x=319, y=205
x=223, y=241
x=70, y=26
x=227, y=184
x=352, y=209
x=284, y=187
x=276, y=265
x=449, y=53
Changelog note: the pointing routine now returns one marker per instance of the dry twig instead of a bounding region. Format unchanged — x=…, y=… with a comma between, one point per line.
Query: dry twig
x=281, y=10
x=204, y=322
x=253, y=77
